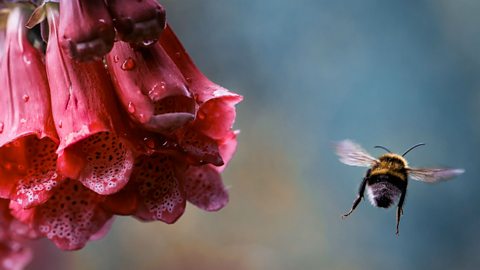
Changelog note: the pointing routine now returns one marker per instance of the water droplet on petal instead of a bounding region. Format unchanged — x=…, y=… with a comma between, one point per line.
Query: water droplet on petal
x=128, y=64
x=1, y=127
x=27, y=60
x=25, y=98
x=149, y=142
x=116, y=59
x=23, y=120
x=155, y=93
x=148, y=42
x=131, y=107
x=60, y=124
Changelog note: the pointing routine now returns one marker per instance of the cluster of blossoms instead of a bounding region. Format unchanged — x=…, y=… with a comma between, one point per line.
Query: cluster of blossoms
x=113, y=118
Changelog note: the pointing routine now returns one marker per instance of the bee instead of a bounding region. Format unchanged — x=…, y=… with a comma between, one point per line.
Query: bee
x=386, y=179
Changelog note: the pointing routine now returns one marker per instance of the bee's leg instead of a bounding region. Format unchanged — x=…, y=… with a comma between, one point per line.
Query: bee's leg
x=361, y=190
x=400, y=207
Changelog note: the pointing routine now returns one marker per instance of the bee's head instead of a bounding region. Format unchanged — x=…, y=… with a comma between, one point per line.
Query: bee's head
x=393, y=159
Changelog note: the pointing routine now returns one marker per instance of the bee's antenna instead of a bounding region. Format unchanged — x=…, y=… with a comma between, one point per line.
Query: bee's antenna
x=382, y=147
x=413, y=147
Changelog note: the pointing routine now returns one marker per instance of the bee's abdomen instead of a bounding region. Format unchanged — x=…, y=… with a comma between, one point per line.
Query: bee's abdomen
x=383, y=190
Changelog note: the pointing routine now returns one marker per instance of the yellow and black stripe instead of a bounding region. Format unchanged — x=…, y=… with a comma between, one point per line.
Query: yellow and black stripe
x=390, y=164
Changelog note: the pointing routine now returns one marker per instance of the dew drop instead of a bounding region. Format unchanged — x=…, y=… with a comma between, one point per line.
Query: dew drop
x=149, y=142
x=116, y=59
x=148, y=42
x=156, y=92
x=25, y=98
x=27, y=60
x=1, y=127
x=60, y=124
x=128, y=64
x=23, y=120
x=131, y=107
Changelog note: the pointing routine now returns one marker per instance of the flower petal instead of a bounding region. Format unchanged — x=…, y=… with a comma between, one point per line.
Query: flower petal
x=215, y=117
x=150, y=87
x=227, y=147
x=162, y=195
x=204, y=188
x=199, y=148
x=199, y=84
x=137, y=21
x=37, y=184
x=85, y=28
x=27, y=134
x=92, y=148
x=69, y=218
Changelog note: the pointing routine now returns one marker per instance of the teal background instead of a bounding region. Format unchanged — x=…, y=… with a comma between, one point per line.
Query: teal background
x=390, y=73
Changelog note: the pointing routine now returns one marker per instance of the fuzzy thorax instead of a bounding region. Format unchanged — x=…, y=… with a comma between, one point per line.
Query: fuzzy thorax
x=391, y=164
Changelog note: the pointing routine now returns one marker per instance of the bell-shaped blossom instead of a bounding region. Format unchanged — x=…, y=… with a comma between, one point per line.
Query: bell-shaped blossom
x=86, y=29
x=161, y=185
x=27, y=134
x=150, y=87
x=70, y=218
x=92, y=147
x=216, y=114
x=137, y=21
x=160, y=191
x=210, y=135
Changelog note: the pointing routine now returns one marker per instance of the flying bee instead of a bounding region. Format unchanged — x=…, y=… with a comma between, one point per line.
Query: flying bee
x=387, y=178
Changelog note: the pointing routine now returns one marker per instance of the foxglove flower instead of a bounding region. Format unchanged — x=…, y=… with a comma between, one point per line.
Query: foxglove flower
x=137, y=21
x=92, y=147
x=70, y=218
x=150, y=87
x=86, y=29
x=216, y=113
x=159, y=189
x=210, y=135
x=27, y=134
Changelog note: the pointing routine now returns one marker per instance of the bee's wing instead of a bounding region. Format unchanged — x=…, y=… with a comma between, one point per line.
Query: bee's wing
x=433, y=175
x=353, y=154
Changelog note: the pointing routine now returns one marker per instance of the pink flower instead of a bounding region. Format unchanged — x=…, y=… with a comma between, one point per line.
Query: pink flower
x=70, y=218
x=27, y=134
x=216, y=113
x=150, y=87
x=77, y=149
x=93, y=147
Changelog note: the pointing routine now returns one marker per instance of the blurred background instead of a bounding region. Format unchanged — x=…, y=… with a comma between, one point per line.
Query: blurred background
x=391, y=73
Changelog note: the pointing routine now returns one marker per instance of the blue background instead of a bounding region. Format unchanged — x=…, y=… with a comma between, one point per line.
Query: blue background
x=390, y=73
